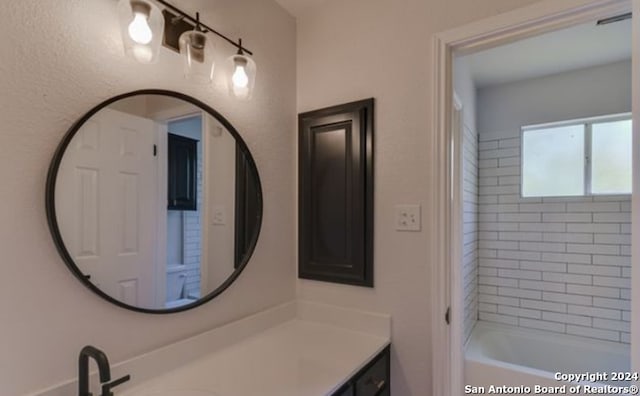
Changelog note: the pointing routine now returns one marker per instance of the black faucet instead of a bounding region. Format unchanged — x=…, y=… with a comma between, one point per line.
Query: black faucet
x=103, y=369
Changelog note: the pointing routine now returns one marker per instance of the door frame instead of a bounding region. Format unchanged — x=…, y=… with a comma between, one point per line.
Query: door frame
x=454, y=273
x=165, y=117
x=446, y=287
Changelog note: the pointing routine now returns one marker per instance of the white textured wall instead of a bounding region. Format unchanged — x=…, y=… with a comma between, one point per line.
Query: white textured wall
x=558, y=264
x=221, y=187
x=59, y=59
x=465, y=90
x=354, y=49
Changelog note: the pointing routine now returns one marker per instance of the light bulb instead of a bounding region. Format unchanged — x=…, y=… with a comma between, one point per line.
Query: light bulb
x=240, y=78
x=141, y=24
x=139, y=29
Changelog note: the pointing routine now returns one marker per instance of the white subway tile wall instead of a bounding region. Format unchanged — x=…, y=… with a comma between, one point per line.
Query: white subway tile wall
x=470, y=229
x=558, y=264
x=192, y=250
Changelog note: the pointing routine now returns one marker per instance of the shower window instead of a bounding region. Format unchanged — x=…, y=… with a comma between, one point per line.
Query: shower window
x=611, y=157
x=577, y=158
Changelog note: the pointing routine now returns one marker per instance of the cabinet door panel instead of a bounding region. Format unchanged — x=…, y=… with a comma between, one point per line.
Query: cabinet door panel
x=182, y=173
x=333, y=199
x=336, y=194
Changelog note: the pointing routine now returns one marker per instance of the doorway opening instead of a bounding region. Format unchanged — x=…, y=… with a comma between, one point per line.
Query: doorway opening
x=528, y=261
x=184, y=212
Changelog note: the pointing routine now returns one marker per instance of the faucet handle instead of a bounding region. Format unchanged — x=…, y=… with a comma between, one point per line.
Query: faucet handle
x=106, y=388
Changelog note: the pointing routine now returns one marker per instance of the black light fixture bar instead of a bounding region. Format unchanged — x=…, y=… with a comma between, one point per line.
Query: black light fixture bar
x=197, y=21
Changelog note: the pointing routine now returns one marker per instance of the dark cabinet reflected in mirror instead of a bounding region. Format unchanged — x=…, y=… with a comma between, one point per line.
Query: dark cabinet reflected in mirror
x=154, y=201
x=182, y=170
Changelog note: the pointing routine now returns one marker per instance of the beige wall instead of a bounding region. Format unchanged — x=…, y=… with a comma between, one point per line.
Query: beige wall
x=354, y=49
x=59, y=59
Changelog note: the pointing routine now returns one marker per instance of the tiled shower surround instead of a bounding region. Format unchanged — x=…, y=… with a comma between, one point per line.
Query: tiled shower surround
x=557, y=264
x=470, y=228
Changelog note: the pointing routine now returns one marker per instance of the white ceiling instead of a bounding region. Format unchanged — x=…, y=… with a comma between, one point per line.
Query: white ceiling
x=299, y=7
x=556, y=52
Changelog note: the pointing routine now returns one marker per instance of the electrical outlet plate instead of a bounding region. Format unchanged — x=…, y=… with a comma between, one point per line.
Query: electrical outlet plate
x=408, y=218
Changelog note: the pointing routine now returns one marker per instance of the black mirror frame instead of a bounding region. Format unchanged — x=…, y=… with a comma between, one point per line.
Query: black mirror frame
x=51, y=211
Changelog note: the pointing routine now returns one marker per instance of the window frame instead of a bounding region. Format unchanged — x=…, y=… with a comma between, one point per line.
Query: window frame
x=588, y=130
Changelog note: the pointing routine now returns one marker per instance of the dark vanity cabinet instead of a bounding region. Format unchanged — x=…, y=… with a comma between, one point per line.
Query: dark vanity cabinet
x=372, y=380
x=336, y=194
x=182, y=171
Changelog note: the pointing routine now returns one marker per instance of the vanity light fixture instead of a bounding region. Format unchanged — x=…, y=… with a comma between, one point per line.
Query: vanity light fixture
x=242, y=75
x=141, y=26
x=144, y=27
x=197, y=51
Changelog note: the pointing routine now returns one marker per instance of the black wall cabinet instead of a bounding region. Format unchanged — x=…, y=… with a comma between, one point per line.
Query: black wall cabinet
x=183, y=162
x=336, y=194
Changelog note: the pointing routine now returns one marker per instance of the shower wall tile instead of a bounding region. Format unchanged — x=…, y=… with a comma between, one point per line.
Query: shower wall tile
x=609, y=335
x=568, y=319
x=505, y=319
x=559, y=264
x=542, y=325
x=470, y=228
x=595, y=312
x=544, y=305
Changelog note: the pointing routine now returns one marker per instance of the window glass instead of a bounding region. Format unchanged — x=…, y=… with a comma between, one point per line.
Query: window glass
x=553, y=161
x=611, y=157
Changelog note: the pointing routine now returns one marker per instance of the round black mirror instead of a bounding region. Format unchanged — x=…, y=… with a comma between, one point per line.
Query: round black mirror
x=154, y=201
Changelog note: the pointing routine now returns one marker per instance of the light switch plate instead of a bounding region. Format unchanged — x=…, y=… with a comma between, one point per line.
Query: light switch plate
x=408, y=218
x=219, y=215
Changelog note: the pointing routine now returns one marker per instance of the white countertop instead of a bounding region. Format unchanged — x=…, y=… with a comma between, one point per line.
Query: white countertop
x=299, y=348
x=297, y=358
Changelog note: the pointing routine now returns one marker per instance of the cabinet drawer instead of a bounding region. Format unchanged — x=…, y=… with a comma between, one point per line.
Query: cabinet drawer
x=374, y=381
x=347, y=390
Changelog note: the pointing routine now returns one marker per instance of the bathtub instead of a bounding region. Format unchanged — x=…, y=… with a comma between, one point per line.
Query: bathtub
x=500, y=355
